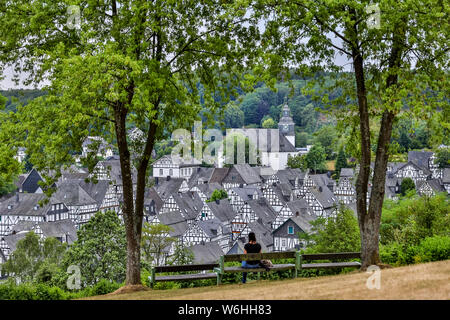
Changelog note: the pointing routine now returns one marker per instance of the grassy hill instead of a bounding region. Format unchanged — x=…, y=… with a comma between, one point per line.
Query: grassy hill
x=420, y=281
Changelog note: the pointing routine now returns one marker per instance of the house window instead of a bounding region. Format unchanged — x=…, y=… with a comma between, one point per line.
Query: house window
x=170, y=172
x=160, y=172
x=290, y=230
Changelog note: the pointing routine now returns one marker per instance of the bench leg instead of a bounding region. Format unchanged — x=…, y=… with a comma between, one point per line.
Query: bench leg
x=259, y=275
x=219, y=279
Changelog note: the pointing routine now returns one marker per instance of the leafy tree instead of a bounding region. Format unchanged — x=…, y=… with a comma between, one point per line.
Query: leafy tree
x=399, y=65
x=268, y=123
x=298, y=161
x=133, y=63
x=315, y=158
x=218, y=194
x=32, y=256
x=234, y=116
x=341, y=162
x=335, y=234
x=155, y=239
x=100, y=250
x=443, y=158
x=182, y=255
x=326, y=137
x=302, y=139
x=407, y=185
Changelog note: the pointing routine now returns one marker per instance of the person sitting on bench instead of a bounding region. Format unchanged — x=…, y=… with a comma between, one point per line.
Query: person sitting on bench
x=251, y=247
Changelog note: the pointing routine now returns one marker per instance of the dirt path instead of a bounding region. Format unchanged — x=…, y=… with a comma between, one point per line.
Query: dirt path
x=422, y=281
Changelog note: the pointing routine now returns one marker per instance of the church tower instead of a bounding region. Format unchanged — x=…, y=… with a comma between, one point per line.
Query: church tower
x=286, y=124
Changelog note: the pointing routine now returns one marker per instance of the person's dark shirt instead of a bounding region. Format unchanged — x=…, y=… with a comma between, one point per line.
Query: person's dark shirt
x=252, y=248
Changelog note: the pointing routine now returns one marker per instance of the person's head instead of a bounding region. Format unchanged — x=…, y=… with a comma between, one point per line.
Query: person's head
x=251, y=237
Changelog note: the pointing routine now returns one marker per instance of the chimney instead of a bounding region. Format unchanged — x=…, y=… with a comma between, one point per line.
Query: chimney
x=156, y=181
x=217, y=201
x=17, y=197
x=296, y=214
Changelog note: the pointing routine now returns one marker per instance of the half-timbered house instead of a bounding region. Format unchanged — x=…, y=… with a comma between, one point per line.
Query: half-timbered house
x=286, y=237
x=290, y=209
x=345, y=190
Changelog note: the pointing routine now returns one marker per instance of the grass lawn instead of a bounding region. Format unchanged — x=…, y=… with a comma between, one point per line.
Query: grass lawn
x=420, y=281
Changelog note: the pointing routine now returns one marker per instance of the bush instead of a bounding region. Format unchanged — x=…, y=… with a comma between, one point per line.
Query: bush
x=104, y=287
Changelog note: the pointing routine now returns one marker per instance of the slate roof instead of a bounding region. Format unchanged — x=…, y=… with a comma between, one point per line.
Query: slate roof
x=323, y=180
x=262, y=232
x=169, y=218
x=245, y=192
x=218, y=175
x=325, y=197
x=178, y=229
x=420, y=158
x=96, y=191
x=23, y=225
x=433, y=183
x=425, y=170
x=209, y=252
x=210, y=226
x=151, y=194
x=71, y=193
x=12, y=239
x=25, y=206
x=190, y=204
x=302, y=220
x=114, y=170
x=222, y=210
x=446, y=175
x=247, y=173
x=208, y=188
x=262, y=210
x=200, y=174
x=61, y=228
x=299, y=205
x=347, y=173
x=165, y=188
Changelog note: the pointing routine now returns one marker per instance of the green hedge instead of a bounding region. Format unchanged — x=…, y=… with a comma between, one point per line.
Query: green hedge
x=28, y=291
x=434, y=248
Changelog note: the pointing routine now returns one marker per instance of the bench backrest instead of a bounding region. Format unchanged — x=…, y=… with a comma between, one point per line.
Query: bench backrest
x=331, y=256
x=259, y=256
x=186, y=267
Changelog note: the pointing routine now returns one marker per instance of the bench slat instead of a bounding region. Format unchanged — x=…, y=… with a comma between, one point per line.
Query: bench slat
x=276, y=267
x=330, y=265
x=183, y=277
x=186, y=267
x=259, y=256
x=331, y=256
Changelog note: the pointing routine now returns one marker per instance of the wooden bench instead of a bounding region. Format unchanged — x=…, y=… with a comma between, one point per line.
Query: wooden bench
x=183, y=277
x=330, y=256
x=294, y=267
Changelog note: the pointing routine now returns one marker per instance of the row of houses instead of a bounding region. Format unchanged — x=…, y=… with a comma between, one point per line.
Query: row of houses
x=275, y=205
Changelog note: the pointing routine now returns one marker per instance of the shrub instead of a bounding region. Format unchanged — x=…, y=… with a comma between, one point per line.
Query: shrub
x=433, y=249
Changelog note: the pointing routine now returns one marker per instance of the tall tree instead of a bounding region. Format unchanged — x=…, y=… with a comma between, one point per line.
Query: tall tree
x=341, y=162
x=399, y=55
x=115, y=64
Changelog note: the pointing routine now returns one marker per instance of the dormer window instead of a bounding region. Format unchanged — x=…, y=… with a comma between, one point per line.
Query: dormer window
x=9, y=207
x=36, y=207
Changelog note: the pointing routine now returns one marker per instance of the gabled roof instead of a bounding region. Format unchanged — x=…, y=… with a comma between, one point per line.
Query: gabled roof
x=114, y=171
x=151, y=194
x=247, y=173
x=71, y=193
x=446, y=175
x=26, y=206
x=209, y=252
x=416, y=166
x=420, y=158
x=262, y=232
x=210, y=226
x=96, y=191
x=200, y=174
x=218, y=175
x=262, y=210
x=208, y=188
x=322, y=180
x=12, y=239
x=300, y=206
x=170, y=218
x=222, y=210
x=178, y=229
x=62, y=228
x=325, y=197
x=302, y=220
x=190, y=204
x=347, y=173
x=245, y=192
x=165, y=188
x=23, y=225
x=433, y=183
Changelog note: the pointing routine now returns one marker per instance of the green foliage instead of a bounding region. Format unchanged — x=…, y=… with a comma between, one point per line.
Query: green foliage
x=35, y=259
x=443, y=158
x=100, y=250
x=298, y=161
x=406, y=186
x=269, y=123
x=218, y=194
x=302, y=139
x=154, y=240
x=341, y=162
x=326, y=136
x=182, y=255
x=315, y=158
x=334, y=234
x=234, y=116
